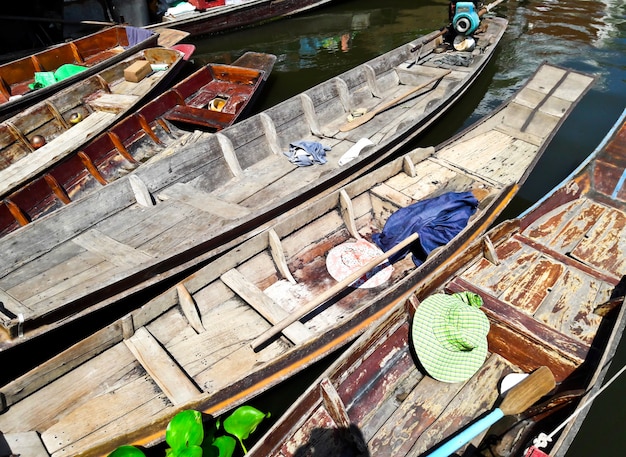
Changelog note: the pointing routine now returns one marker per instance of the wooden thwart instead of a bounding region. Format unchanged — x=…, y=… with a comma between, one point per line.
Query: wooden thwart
x=160, y=366
x=264, y=305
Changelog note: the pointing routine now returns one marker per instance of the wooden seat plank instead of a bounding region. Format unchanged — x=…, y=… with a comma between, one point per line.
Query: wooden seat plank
x=264, y=305
x=200, y=117
x=206, y=202
x=165, y=372
x=26, y=443
x=110, y=249
x=113, y=103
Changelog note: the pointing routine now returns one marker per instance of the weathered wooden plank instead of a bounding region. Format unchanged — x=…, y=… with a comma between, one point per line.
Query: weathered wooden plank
x=189, y=308
x=514, y=261
x=10, y=307
x=26, y=443
x=278, y=254
x=576, y=321
x=112, y=103
x=264, y=305
x=203, y=201
x=603, y=245
x=160, y=366
x=477, y=396
x=110, y=249
x=101, y=417
x=61, y=364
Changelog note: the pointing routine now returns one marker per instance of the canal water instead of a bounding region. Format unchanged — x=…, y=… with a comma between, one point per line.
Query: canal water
x=585, y=35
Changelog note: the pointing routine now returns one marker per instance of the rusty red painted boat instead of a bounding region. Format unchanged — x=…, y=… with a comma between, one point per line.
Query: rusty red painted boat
x=552, y=286
x=41, y=136
x=109, y=142
x=192, y=345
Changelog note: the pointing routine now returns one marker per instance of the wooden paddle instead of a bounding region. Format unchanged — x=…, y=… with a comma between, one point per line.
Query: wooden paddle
x=517, y=400
x=286, y=322
x=368, y=116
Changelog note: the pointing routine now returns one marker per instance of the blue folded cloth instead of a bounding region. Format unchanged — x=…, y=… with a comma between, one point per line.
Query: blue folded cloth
x=306, y=153
x=436, y=220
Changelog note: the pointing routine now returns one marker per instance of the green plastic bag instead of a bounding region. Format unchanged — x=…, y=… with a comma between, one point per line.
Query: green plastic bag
x=48, y=78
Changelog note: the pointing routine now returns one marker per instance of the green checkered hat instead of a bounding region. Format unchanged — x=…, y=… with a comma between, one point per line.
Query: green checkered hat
x=450, y=335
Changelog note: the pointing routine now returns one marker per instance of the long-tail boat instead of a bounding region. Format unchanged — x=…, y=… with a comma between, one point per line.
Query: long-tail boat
x=193, y=203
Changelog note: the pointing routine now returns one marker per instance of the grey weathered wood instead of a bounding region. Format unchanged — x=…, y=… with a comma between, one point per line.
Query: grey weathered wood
x=159, y=365
x=189, y=308
x=278, y=254
x=27, y=444
x=229, y=154
x=347, y=211
x=203, y=201
x=140, y=191
x=264, y=305
x=113, y=251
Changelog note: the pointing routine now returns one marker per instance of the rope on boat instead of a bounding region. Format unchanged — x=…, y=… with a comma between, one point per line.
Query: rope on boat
x=543, y=440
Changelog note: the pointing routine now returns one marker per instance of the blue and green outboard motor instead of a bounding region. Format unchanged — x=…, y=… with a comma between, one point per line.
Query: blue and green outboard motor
x=464, y=16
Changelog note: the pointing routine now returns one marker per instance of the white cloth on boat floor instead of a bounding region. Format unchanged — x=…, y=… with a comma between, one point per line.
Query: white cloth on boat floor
x=354, y=151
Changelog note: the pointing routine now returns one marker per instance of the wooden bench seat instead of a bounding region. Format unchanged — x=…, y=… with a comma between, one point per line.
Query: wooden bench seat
x=200, y=117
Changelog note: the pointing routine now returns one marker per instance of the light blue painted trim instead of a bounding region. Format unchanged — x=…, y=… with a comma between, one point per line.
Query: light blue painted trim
x=619, y=185
x=461, y=439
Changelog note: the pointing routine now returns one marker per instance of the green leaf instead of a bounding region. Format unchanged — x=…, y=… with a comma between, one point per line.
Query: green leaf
x=226, y=445
x=191, y=451
x=127, y=451
x=243, y=421
x=185, y=430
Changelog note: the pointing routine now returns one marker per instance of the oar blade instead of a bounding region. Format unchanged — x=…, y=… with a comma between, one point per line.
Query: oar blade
x=525, y=394
x=357, y=121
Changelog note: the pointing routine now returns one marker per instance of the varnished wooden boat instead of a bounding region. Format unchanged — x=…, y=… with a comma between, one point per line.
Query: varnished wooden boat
x=95, y=52
x=187, y=207
x=38, y=138
x=74, y=164
x=190, y=347
x=553, y=288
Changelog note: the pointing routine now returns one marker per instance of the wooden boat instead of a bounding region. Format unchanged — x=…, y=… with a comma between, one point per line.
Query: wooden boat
x=209, y=19
x=190, y=347
x=94, y=52
x=37, y=138
x=552, y=287
x=217, y=191
x=67, y=167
